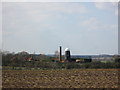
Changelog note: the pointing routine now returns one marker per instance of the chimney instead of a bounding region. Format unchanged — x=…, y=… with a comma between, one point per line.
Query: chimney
x=60, y=56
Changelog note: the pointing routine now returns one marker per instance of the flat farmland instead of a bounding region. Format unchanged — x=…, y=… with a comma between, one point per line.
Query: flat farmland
x=75, y=78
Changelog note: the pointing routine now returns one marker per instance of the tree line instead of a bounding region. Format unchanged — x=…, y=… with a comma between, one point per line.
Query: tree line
x=33, y=61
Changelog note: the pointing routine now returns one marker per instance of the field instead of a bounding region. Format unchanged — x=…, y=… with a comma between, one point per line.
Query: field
x=76, y=78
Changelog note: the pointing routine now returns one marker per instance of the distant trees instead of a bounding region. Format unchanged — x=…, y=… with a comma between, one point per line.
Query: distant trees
x=24, y=59
x=28, y=61
x=117, y=58
x=100, y=65
x=6, y=59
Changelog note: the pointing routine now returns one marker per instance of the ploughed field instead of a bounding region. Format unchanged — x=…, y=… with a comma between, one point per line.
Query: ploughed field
x=75, y=78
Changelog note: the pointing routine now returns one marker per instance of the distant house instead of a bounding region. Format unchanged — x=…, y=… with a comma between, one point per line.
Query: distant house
x=29, y=59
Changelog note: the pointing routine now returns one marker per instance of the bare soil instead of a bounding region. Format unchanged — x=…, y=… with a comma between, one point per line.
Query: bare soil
x=75, y=78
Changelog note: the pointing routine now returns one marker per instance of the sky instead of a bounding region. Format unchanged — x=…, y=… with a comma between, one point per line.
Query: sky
x=86, y=28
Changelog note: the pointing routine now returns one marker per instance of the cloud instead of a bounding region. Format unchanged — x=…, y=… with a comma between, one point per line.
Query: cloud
x=111, y=6
x=72, y=8
x=94, y=23
x=116, y=12
x=98, y=35
x=41, y=7
x=38, y=13
x=26, y=18
x=33, y=21
x=44, y=26
x=106, y=5
x=91, y=23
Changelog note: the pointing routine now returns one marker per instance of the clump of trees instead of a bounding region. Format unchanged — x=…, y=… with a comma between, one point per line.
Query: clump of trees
x=25, y=60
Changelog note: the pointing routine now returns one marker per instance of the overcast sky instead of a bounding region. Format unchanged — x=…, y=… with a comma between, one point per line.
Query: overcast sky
x=84, y=27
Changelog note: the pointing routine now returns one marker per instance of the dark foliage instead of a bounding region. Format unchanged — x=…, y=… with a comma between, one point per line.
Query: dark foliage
x=29, y=61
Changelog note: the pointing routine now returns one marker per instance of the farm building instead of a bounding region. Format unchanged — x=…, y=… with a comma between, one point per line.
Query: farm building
x=68, y=58
x=103, y=58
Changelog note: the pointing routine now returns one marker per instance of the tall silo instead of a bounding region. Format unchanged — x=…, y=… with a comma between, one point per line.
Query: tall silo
x=60, y=55
x=67, y=55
